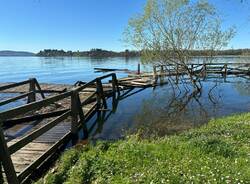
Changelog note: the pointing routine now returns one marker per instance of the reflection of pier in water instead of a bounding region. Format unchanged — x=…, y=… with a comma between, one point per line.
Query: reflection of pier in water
x=53, y=120
x=103, y=115
x=32, y=133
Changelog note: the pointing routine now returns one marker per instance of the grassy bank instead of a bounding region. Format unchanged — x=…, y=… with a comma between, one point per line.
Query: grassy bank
x=216, y=153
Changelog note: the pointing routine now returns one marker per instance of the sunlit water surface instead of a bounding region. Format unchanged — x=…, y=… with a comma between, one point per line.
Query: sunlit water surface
x=158, y=111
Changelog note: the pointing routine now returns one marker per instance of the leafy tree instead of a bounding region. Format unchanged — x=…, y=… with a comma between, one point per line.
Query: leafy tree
x=169, y=31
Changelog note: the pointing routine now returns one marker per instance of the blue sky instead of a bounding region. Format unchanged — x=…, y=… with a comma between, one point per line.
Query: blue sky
x=33, y=25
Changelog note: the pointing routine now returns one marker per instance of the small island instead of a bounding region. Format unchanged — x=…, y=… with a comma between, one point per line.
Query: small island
x=91, y=53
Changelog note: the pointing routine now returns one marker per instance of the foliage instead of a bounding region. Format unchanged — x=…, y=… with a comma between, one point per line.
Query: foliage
x=215, y=153
x=91, y=53
x=168, y=32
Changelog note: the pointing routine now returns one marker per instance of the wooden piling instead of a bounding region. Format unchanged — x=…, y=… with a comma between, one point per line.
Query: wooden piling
x=115, y=86
x=6, y=160
x=74, y=112
x=225, y=72
x=161, y=70
x=154, y=71
x=204, y=70
x=32, y=89
x=139, y=68
x=100, y=93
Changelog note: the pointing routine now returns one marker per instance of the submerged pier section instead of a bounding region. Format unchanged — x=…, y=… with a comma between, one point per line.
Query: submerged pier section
x=30, y=134
x=50, y=115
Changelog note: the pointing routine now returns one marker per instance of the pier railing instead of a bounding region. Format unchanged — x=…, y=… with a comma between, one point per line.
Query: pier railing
x=74, y=112
x=34, y=88
x=201, y=68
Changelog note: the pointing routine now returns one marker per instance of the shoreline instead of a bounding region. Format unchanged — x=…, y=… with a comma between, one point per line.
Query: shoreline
x=187, y=157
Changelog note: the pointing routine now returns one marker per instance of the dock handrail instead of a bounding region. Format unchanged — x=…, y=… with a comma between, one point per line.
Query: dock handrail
x=201, y=68
x=75, y=112
x=33, y=84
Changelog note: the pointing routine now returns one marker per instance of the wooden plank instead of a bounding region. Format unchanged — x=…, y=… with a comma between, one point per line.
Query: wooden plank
x=13, y=85
x=15, y=98
x=88, y=99
x=32, y=106
x=33, y=135
x=12, y=122
x=43, y=157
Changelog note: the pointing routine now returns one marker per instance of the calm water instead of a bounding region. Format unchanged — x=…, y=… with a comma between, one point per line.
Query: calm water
x=158, y=111
x=65, y=70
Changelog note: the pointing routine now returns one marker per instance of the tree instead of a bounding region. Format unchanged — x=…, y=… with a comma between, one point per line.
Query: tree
x=168, y=31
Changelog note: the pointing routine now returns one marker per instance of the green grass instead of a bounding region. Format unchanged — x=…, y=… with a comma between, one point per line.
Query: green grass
x=215, y=153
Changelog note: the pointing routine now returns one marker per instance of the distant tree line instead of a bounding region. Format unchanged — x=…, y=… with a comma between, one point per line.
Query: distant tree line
x=91, y=53
x=127, y=53
x=222, y=52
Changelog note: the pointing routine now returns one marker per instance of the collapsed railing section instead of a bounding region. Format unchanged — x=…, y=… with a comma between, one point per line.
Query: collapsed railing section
x=201, y=68
x=75, y=111
x=34, y=88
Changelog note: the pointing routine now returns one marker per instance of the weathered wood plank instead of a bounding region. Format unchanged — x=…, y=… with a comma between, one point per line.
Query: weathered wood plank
x=7, y=86
x=43, y=157
x=33, y=135
x=14, y=98
x=32, y=106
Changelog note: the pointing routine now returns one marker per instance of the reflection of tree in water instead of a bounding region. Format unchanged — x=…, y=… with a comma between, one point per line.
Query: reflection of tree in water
x=243, y=88
x=172, y=112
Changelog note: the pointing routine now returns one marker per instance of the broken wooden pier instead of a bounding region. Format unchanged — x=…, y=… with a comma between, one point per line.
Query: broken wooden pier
x=30, y=134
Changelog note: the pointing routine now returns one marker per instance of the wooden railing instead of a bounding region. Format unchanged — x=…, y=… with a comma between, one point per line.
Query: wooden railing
x=33, y=84
x=203, y=69
x=75, y=112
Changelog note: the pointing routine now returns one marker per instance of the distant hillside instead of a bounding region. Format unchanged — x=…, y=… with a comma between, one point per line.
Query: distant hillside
x=15, y=53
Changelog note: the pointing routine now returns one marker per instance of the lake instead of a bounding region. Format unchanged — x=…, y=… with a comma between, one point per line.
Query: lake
x=65, y=70
x=160, y=111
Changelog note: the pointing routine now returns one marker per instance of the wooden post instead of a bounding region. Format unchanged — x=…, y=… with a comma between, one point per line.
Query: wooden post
x=32, y=88
x=161, y=71
x=139, y=69
x=100, y=93
x=192, y=68
x=40, y=89
x=6, y=160
x=74, y=113
x=155, y=75
x=177, y=74
x=154, y=71
x=225, y=66
x=115, y=86
x=204, y=68
x=98, y=96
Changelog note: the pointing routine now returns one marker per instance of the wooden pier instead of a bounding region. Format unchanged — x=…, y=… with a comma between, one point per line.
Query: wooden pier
x=31, y=134
x=199, y=69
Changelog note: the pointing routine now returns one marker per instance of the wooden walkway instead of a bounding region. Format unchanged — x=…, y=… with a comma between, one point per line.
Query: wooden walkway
x=52, y=114
x=32, y=133
x=202, y=70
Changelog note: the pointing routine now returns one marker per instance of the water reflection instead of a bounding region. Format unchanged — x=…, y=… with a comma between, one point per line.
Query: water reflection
x=167, y=109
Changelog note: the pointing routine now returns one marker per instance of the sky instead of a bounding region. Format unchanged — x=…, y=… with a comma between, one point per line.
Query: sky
x=33, y=25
